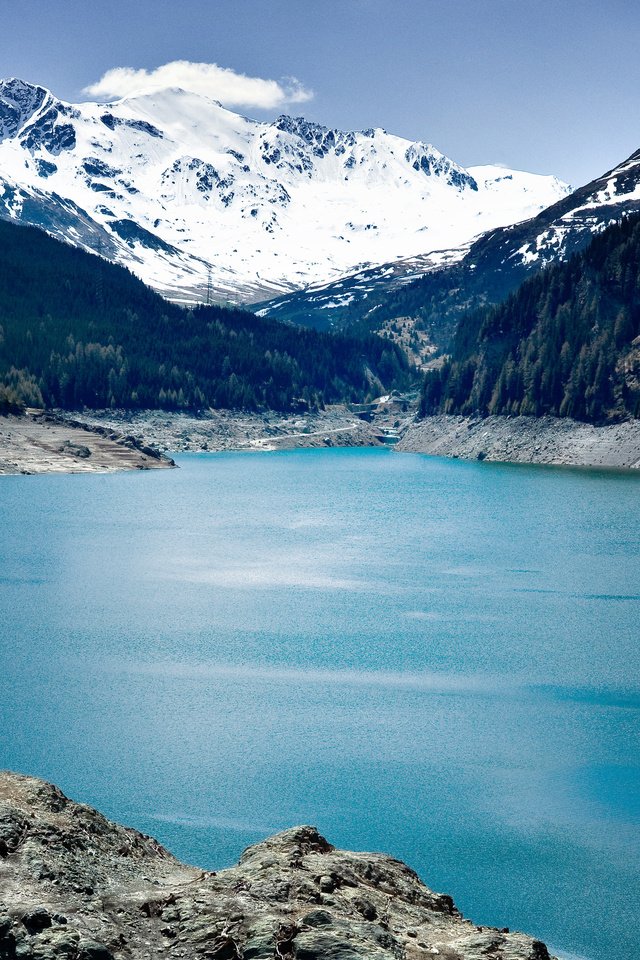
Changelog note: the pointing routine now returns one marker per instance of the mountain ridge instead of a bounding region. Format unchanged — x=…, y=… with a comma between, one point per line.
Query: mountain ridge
x=483, y=271
x=192, y=196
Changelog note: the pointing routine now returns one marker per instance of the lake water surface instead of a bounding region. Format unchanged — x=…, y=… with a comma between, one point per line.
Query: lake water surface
x=432, y=658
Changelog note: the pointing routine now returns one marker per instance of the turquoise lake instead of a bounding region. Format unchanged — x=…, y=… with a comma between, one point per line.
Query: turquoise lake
x=431, y=658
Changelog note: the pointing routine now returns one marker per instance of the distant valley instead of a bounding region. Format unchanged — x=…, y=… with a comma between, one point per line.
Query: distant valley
x=516, y=296
x=439, y=288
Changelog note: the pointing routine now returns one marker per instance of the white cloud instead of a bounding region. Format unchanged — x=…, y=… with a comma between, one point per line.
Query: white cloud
x=219, y=83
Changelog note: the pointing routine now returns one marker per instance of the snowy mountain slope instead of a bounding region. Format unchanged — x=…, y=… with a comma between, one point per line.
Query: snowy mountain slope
x=568, y=225
x=484, y=271
x=334, y=304
x=181, y=190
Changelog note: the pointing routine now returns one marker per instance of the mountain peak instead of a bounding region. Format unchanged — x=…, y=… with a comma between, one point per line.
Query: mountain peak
x=16, y=90
x=170, y=92
x=19, y=100
x=177, y=187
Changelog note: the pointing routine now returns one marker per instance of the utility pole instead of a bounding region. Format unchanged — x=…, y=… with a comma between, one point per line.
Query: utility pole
x=208, y=286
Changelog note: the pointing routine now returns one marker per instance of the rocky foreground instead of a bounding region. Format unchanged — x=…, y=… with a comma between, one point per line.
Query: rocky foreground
x=75, y=885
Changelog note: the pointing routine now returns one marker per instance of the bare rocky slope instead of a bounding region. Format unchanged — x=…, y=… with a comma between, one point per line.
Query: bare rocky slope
x=75, y=885
x=554, y=441
x=103, y=441
x=558, y=441
x=43, y=443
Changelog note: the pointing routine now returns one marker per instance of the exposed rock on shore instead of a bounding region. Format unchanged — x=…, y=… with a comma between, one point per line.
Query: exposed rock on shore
x=548, y=440
x=45, y=443
x=239, y=429
x=75, y=885
x=117, y=440
x=544, y=440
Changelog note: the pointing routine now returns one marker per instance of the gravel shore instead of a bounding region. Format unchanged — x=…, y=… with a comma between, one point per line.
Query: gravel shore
x=544, y=440
x=47, y=444
x=124, y=440
x=219, y=430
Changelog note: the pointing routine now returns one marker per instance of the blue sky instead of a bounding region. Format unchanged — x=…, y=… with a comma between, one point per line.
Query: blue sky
x=546, y=85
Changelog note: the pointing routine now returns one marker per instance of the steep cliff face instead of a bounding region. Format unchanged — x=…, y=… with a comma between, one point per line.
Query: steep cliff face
x=75, y=885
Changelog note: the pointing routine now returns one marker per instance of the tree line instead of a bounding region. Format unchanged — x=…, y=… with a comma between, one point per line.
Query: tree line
x=563, y=344
x=77, y=331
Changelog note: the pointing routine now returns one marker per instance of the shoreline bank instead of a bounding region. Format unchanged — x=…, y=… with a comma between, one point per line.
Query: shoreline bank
x=106, y=441
x=47, y=443
x=548, y=441
x=532, y=440
x=231, y=430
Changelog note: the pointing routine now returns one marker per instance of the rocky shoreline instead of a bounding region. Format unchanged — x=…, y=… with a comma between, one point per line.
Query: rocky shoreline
x=75, y=885
x=46, y=443
x=220, y=430
x=94, y=441
x=533, y=440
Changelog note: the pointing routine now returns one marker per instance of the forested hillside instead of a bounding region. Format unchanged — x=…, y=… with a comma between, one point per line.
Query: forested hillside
x=77, y=331
x=494, y=266
x=565, y=343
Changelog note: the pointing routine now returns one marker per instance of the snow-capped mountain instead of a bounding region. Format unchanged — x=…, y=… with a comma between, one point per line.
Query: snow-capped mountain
x=484, y=271
x=188, y=194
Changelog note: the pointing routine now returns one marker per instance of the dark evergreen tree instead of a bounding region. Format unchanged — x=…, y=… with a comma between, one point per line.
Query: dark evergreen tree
x=76, y=331
x=565, y=343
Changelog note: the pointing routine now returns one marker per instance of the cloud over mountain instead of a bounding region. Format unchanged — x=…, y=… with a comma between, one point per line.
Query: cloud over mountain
x=207, y=79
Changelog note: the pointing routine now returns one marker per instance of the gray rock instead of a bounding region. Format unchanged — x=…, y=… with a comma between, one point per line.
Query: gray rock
x=292, y=897
x=91, y=950
x=37, y=920
x=317, y=918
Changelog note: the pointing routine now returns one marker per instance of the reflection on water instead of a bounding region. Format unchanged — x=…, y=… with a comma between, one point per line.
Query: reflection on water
x=438, y=682
x=432, y=658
